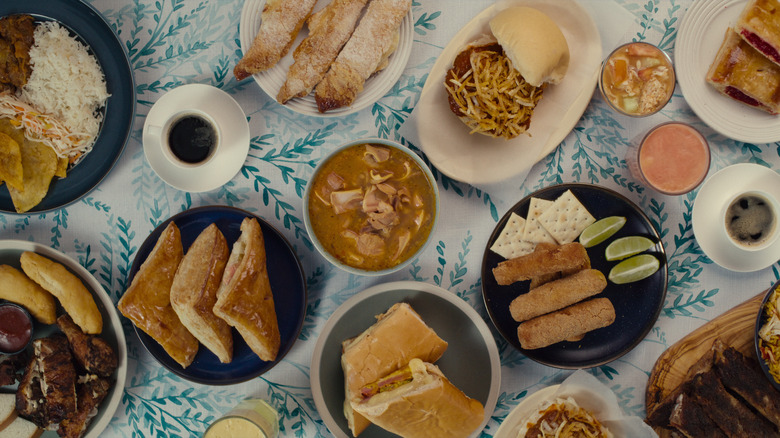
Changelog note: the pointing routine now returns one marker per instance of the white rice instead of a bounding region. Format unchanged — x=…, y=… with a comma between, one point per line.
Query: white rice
x=66, y=81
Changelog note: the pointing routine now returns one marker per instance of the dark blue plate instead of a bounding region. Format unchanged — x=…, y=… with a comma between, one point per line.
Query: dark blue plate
x=637, y=305
x=285, y=274
x=91, y=28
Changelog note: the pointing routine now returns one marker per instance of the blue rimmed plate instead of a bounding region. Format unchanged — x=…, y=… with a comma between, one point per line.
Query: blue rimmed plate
x=285, y=274
x=92, y=29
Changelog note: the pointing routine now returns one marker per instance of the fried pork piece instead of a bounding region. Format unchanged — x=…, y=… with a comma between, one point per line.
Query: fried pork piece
x=570, y=257
x=11, y=366
x=90, y=394
x=91, y=352
x=58, y=376
x=744, y=377
x=16, y=38
x=30, y=402
x=731, y=415
x=689, y=419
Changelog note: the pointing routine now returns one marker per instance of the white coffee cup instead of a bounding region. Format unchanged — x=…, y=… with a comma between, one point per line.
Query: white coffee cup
x=188, y=138
x=751, y=220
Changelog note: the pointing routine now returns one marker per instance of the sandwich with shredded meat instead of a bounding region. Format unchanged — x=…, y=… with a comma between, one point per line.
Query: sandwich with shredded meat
x=496, y=81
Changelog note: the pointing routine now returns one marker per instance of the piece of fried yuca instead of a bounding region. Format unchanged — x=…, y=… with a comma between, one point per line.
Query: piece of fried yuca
x=564, y=258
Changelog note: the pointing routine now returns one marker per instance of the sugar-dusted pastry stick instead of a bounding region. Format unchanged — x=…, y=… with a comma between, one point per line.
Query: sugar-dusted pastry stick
x=362, y=54
x=329, y=30
x=281, y=22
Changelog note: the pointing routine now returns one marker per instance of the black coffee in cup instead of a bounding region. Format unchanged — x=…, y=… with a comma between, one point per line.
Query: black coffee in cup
x=750, y=220
x=192, y=138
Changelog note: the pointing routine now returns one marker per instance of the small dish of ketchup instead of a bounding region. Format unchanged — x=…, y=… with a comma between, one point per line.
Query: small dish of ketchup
x=16, y=328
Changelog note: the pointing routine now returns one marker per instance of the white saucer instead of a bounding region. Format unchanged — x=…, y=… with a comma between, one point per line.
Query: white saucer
x=230, y=156
x=709, y=201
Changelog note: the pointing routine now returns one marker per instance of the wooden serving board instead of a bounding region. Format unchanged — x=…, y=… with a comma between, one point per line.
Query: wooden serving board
x=735, y=327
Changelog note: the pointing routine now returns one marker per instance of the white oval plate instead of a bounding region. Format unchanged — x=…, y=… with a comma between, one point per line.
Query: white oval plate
x=716, y=191
x=514, y=421
x=699, y=37
x=479, y=159
x=271, y=80
x=10, y=251
x=229, y=157
x=471, y=361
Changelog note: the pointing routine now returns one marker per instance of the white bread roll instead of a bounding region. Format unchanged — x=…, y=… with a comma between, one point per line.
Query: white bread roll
x=533, y=42
x=194, y=292
x=428, y=406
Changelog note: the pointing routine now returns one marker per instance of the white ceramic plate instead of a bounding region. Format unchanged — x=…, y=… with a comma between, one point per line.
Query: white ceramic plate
x=514, y=421
x=471, y=361
x=479, y=159
x=10, y=251
x=271, y=80
x=710, y=200
x=227, y=160
x=699, y=37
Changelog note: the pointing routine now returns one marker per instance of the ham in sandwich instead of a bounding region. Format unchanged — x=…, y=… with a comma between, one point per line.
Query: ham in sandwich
x=244, y=298
x=419, y=402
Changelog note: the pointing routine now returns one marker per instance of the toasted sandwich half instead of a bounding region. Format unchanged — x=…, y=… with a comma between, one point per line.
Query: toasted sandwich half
x=419, y=402
x=398, y=336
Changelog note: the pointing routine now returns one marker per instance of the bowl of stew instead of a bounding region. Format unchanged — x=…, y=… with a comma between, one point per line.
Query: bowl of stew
x=371, y=206
x=637, y=79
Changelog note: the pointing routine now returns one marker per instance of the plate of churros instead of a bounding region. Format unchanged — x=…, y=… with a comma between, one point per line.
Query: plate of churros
x=346, y=56
x=557, y=301
x=235, y=305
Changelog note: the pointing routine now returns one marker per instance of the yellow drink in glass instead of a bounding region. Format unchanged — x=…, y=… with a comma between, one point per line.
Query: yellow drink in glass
x=252, y=418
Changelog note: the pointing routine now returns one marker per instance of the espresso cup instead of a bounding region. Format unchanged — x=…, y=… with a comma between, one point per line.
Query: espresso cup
x=750, y=220
x=188, y=138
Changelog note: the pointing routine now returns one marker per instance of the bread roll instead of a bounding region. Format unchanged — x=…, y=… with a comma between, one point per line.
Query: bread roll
x=399, y=335
x=74, y=297
x=427, y=406
x=147, y=302
x=194, y=292
x=18, y=288
x=244, y=299
x=533, y=42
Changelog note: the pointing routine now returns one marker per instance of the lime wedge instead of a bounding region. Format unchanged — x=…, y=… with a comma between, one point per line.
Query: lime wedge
x=627, y=246
x=601, y=230
x=634, y=269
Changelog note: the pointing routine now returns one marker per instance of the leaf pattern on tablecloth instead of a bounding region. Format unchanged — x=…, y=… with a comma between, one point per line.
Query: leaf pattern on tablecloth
x=176, y=42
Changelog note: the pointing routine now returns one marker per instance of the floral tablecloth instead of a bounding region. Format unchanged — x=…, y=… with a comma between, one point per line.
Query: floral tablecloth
x=176, y=42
